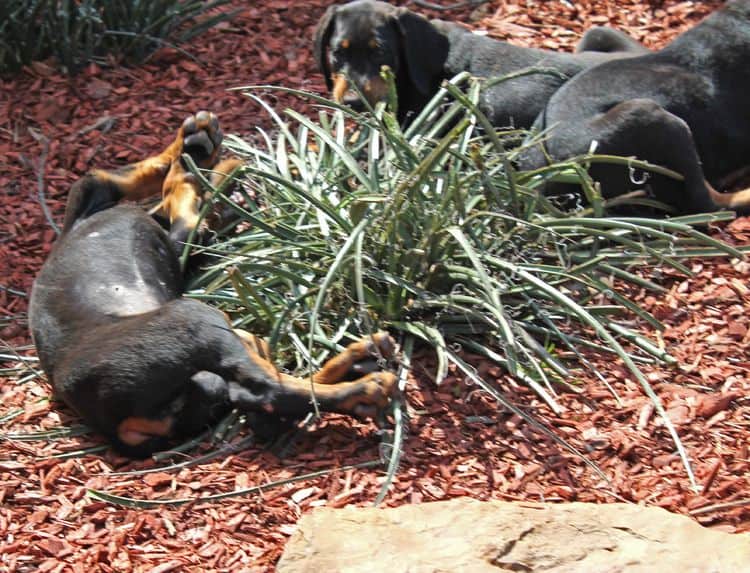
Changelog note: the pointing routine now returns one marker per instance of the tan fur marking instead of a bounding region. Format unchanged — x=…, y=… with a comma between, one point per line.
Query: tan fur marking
x=256, y=343
x=374, y=389
x=180, y=196
x=146, y=178
x=377, y=90
x=340, y=87
x=345, y=43
x=140, y=180
x=134, y=431
x=334, y=370
x=259, y=352
x=734, y=200
x=222, y=170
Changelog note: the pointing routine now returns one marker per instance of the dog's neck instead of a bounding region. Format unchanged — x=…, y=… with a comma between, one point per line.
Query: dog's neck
x=457, y=60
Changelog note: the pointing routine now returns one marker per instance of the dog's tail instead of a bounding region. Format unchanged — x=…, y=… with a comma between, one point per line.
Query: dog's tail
x=738, y=201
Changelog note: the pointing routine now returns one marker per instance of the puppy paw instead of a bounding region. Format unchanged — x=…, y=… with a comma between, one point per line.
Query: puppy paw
x=379, y=345
x=374, y=395
x=201, y=138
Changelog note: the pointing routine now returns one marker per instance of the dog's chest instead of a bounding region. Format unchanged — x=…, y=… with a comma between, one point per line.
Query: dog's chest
x=120, y=298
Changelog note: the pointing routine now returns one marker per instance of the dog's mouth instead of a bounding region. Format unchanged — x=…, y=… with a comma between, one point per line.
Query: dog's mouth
x=374, y=91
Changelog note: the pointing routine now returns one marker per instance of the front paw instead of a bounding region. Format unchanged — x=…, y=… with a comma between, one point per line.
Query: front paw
x=379, y=345
x=201, y=138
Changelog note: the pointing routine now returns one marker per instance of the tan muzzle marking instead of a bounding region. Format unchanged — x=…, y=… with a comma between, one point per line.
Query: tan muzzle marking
x=340, y=87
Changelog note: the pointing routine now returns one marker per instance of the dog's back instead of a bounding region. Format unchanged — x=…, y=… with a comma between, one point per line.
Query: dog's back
x=701, y=77
x=534, y=74
x=684, y=108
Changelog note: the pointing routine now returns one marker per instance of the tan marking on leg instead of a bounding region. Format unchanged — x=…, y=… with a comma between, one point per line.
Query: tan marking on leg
x=180, y=189
x=375, y=389
x=259, y=352
x=134, y=431
x=736, y=200
x=137, y=181
x=146, y=178
x=256, y=343
x=361, y=398
x=222, y=170
x=340, y=87
x=181, y=196
x=334, y=370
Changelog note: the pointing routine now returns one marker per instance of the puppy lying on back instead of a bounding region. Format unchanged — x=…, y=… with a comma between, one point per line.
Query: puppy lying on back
x=353, y=41
x=139, y=362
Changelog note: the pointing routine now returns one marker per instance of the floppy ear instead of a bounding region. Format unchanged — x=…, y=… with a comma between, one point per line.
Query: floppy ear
x=425, y=50
x=323, y=33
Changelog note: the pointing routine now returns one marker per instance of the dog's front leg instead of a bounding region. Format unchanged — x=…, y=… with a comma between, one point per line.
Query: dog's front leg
x=100, y=189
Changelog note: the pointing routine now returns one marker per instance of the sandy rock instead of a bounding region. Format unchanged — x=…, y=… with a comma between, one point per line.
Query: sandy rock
x=464, y=535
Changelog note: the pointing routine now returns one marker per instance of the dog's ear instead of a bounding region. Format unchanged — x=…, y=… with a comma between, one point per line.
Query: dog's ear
x=322, y=38
x=424, y=47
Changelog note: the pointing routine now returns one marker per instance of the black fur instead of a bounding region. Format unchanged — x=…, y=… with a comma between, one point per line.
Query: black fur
x=684, y=107
x=423, y=53
x=120, y=343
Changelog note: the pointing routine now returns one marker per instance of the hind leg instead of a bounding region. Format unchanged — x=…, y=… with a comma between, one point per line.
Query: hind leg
x=338, y=387
x=642, y=129
x=358, y=358
x=173, y=371
x=292, y=397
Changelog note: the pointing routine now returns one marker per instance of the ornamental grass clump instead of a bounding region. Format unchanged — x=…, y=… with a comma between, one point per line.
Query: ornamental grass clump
x=349, y=224
x=82, y=31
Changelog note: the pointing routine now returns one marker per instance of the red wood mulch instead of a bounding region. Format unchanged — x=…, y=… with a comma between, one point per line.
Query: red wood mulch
x=458, y=445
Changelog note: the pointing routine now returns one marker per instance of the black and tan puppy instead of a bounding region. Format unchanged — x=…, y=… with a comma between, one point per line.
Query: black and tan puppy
x=140, y=363
x=685, y=107
x=353, y=41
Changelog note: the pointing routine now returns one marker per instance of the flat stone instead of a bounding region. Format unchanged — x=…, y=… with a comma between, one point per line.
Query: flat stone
x=464, y=535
